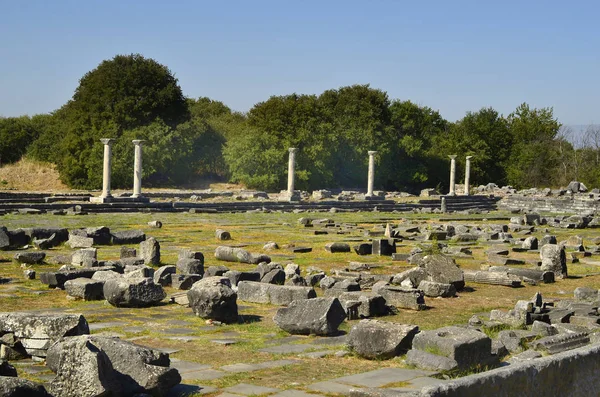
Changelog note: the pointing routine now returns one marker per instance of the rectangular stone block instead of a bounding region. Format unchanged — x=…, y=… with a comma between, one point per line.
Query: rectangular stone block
x=251, y=291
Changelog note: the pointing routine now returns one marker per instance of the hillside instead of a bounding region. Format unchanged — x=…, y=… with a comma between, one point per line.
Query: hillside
x=30, y=175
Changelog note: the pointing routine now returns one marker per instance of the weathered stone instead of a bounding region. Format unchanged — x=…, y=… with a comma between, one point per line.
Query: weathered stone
x=77, y=241
x=222, y=235
x=85, y=288
x=141, y=271
x=434, y=290
x=585, y=294
x=363, y=249
x=58, y=279
x=100, y=235
x=140, y=292
x=433, y=362
x=46, y=243
x=510, y=318
x=100, y=366
x=291, y=269
x=155, y=224
x=319, y=316
x=271, y=246
x=554, y=260
x=374, y=339
x=37, y=332
x=383, y=247
x=17, y=238
x=19, y=387
x=530, y=243
x=128, y=237
x=234, y=254
x=217, y=271
x=189, y=254
x=275, y=276
x=184, y=281
x=190, y=266
x=337, y=247
x=214, y=299
x=414, y=275
x=163, y=275
x=443, y=269
x=401, y=297
x=236, y=276
x=150, y=251
x=106, y=275
x=466, y=346
x=250, y=291
x=30, y=258
x=547, y=239
x=561, y=342
x=86, y=257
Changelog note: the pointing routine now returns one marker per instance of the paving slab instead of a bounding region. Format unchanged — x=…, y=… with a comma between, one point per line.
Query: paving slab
x=187, y=366
x=204, y=374
x=225, y=342
x=228, y=395
x=294, y=393
x=419, y=383
x=134, y=330
x=330, y=340
x=248, y=389
x=278, y=363
x=183, y=390
x=107, y=324
x=319, y=354
x=329, y=387
x=241, y=367
x=287, y=349
x=184, y=338
x=384, y=376
x=178, y=331
x=287, y=339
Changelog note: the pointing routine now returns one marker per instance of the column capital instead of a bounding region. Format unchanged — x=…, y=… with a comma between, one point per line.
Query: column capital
x=293, y=149
x=138, y=141
x=469, y=157
x=452, y=156
x=372, y=152
x=107, y=141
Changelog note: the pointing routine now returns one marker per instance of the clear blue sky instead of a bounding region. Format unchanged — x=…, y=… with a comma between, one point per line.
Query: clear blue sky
x=453, y=56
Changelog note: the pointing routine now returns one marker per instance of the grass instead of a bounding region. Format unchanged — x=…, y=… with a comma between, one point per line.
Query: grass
x=253, y=230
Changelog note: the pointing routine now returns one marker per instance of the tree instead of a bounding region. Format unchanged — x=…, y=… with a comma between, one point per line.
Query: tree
x=416, y=160
x=16, y=133
x=485, y=136
x=533, y=158
x=122, y=94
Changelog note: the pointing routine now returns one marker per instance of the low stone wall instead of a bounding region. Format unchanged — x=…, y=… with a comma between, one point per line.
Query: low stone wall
x=573, y=373
x=575, y=204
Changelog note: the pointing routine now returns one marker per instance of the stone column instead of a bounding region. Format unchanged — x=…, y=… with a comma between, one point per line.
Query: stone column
x=371, y=180
x=467, y=174
x=106, y=168
x=452, y=192
x=291, y=170
x=137, y=169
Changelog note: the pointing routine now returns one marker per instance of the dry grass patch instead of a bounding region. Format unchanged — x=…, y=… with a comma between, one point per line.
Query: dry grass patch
x=31, y=175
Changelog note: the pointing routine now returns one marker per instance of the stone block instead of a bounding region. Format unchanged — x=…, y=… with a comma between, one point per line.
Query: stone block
x=255, y=292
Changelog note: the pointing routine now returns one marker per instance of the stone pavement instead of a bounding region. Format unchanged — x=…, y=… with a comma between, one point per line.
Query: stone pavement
x=286, y=351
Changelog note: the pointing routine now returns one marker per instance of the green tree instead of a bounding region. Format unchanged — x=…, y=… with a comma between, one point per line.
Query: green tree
x=16, y=133
x=485, y=135
x=119, y=96
x=533, y=158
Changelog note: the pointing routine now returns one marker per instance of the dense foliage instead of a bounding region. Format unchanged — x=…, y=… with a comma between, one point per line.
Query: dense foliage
x=132, y=97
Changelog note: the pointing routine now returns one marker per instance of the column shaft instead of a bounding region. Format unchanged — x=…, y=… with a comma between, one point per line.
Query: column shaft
x=291, y=170
x=137, y=169
x=371, y=175
x=106, y=171
x=467, y=175
x=452, y=175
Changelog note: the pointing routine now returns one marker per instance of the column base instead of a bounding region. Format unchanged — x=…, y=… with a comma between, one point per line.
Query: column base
x=284, y=195
x=101, y=199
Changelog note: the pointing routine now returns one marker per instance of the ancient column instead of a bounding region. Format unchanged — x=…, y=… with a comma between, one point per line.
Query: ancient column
x=452, y=174
x=137, y=169
x=467, y=174
x=106, y=168
x=291, y=171
x=371, y=180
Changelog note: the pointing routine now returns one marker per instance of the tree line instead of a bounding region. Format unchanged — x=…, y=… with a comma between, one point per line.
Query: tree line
x=133, y=97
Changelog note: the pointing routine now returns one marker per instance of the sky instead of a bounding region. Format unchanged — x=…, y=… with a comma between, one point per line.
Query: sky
x=453, y=56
